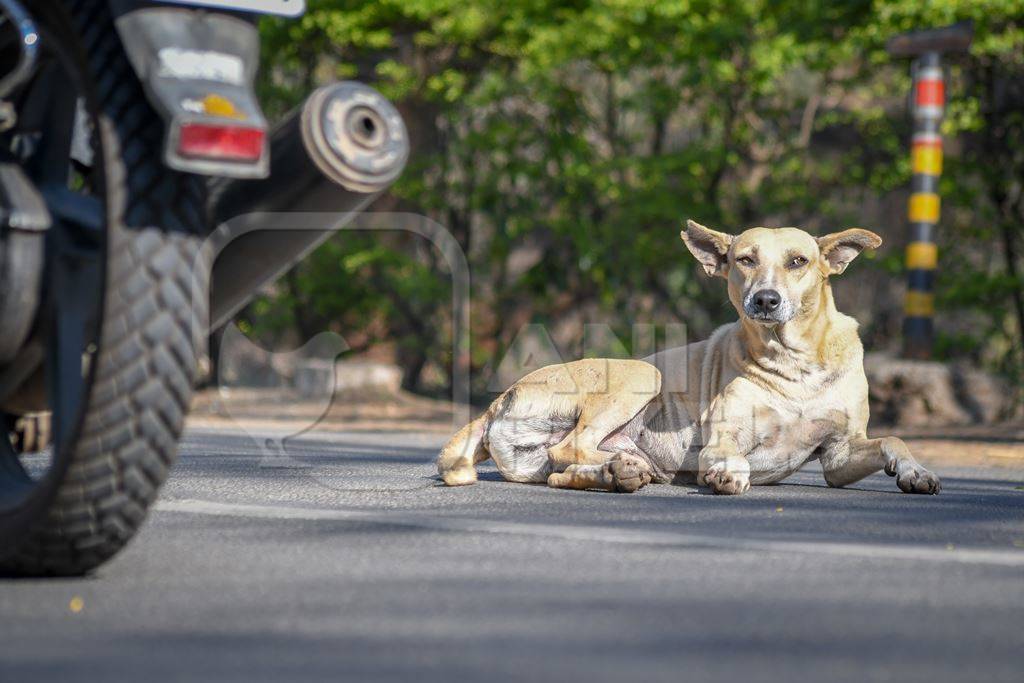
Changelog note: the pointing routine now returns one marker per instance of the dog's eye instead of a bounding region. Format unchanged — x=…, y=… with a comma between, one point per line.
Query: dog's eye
x=745, y=261
x=797, y=262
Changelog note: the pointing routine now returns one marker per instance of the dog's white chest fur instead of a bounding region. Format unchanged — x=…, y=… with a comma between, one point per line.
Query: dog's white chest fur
x=787, y=435
x=782, y=428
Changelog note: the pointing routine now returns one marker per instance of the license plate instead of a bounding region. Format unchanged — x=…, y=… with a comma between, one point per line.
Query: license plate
x=285, y=8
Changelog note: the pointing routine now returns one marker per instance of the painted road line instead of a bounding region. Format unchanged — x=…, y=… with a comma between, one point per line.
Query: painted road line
x=592, y=533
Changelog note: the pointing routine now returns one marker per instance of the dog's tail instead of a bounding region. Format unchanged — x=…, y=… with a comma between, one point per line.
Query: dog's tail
x=456, y=463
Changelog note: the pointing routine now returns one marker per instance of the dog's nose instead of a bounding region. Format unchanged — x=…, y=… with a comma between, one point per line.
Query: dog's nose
x=766, y=300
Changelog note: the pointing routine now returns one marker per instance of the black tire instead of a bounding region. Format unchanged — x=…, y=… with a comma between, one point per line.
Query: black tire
x=85, y=510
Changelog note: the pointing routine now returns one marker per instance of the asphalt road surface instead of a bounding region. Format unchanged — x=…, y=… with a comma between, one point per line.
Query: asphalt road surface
x=346, y=560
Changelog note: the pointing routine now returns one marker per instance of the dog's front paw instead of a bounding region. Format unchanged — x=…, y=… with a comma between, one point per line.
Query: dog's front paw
x=628, y=473
x=724, y=481
x=911, y=477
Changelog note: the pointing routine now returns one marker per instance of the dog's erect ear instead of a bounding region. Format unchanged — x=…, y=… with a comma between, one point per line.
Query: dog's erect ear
x=708, y=246
x=839, y=248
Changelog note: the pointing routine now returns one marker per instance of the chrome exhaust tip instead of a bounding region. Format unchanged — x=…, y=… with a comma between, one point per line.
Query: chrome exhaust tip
x=355, y=136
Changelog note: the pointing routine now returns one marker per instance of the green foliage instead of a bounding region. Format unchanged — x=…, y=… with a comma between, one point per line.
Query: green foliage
x=563, y=143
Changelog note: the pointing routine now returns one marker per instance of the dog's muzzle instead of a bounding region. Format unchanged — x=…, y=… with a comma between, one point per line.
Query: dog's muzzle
x=767, y=306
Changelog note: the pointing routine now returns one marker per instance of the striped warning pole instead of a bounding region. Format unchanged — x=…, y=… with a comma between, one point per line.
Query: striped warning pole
x=929, y=100
x=926, y=47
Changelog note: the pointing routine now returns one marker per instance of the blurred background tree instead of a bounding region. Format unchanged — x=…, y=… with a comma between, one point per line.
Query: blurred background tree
x=564, y=143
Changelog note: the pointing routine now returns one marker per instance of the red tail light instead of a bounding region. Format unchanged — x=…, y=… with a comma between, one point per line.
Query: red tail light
x=225, y=143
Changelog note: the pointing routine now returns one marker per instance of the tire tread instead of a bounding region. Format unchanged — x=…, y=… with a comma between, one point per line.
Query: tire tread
x=148, y=344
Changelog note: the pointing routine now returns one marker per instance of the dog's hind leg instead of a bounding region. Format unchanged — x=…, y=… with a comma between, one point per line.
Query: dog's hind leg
x=624, y=473
x=601, y=414
x=610, y=394
x=519, y=445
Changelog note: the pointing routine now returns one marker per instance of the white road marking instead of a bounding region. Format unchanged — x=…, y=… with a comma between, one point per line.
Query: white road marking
x=597, y=534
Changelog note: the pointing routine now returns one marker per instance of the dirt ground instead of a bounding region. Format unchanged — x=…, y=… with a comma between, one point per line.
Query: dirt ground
x=1000, y=445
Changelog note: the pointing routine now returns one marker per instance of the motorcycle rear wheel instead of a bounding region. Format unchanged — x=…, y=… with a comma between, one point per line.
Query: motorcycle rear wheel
x=116, y=433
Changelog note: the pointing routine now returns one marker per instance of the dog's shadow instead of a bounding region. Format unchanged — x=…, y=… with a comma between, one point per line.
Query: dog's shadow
x=690, y=486
x=481, y=476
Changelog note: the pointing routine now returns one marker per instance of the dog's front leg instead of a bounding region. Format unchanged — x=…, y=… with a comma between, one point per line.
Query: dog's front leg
x=721, y=466
x=729, y=436
x=849, y=460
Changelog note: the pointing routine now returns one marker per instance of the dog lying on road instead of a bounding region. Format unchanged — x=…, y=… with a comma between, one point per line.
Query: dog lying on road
x=783, y=385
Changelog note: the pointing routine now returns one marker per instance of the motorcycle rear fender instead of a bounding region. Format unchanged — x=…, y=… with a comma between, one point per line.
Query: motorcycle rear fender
x=196, y=67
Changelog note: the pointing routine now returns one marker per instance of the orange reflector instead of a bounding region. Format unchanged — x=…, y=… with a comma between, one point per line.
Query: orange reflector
x=227, y=143
x=931, y=92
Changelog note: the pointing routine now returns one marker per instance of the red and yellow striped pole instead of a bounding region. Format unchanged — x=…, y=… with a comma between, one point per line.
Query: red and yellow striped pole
x=923, y=208
x=929, y=99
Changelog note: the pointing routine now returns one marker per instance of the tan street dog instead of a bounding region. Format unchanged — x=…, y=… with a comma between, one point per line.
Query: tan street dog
x=780, y=387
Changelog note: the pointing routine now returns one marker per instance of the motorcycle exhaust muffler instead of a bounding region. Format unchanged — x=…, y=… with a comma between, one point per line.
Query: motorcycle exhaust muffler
x=333, y=155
